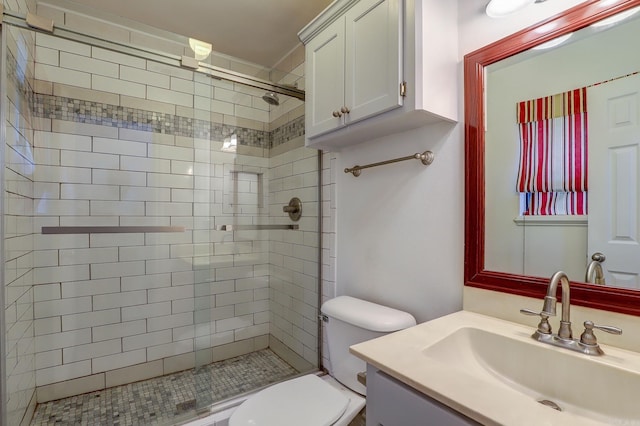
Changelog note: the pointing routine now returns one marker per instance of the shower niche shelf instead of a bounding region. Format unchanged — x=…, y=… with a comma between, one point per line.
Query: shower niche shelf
x=377, y=67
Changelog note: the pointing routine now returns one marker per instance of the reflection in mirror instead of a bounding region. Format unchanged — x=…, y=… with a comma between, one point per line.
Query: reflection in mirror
x=498, y=274
x=601, y=59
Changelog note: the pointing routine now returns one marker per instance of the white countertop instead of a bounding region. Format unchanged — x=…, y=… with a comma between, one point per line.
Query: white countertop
x=482, y=398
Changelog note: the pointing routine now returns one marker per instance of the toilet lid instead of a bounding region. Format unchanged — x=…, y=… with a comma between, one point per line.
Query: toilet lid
x=306, y=400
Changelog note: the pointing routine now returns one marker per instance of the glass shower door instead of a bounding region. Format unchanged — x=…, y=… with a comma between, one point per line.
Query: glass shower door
x=103, y=238
x=256, y=319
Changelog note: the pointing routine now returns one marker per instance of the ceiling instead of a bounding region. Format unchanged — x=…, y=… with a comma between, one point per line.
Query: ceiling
x=258, y=31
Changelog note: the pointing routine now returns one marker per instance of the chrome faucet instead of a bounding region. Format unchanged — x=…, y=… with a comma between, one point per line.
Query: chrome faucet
x=587, y=343
x=549, y=305
x=594, y=273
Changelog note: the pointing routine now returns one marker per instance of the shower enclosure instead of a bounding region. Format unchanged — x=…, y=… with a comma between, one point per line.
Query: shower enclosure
x=143, y=226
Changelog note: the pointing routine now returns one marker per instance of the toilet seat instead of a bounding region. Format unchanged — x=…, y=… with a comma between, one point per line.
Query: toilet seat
x=306, y=400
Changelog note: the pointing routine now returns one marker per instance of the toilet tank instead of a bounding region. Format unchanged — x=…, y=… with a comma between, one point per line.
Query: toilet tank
x=349, y=321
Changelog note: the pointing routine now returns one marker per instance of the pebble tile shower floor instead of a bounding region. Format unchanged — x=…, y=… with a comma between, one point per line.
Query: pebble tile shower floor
x=158, y=401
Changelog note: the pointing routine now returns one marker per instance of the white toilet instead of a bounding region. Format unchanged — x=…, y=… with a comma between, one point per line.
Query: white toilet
x=330, y=400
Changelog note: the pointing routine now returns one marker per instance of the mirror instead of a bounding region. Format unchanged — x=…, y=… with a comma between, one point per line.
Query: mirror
x=611, y=82
x=490, y=262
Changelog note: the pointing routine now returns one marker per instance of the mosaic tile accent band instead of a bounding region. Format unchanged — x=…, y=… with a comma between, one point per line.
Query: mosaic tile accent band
x=80, y=111
x=158, y=401
x=287, y=131
x=90, y=112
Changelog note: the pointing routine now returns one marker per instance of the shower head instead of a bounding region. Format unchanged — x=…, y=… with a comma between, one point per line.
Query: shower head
x=271, y=98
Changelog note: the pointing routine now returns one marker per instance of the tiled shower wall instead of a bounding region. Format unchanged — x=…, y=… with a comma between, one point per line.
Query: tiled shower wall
x=137, y=153
x=131, y=154
x=105, y=302
x=117, y=140
x=294, y=258
x=294, y=254
x=18, y=226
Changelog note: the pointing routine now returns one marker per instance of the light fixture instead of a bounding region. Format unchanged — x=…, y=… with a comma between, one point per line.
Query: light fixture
x=502, y=8
x=553, y=42
x=200, y=49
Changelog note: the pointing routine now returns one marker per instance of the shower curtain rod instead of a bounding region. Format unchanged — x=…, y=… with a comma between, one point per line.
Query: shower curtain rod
x=19, y=20
x=425, y=158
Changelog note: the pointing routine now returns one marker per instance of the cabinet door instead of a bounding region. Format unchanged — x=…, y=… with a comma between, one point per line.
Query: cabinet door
x=373, y=58
x=392, y=403
x=325, y=79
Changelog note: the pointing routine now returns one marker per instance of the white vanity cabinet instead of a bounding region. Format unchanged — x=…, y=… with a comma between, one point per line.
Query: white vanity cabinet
x=392, y=403
x=375, y=67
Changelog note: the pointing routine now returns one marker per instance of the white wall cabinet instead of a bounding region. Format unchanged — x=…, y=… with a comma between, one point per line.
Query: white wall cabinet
x=392, y=403
x=354, y=66
x=325, y=80
x=360, y=57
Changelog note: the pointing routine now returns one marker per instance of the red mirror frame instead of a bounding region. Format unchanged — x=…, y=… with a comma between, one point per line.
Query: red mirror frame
x=607, y=298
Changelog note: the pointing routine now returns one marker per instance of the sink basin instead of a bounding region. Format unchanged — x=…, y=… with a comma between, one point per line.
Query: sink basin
x=493, y=372
x=572, y=382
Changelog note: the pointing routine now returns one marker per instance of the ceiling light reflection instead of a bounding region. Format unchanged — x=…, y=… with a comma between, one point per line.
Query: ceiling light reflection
x=553, y=43
x=616, y=18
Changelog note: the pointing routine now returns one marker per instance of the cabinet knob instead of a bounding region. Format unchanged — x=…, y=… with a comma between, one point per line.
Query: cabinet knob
x=337, y=114
x=345, y=110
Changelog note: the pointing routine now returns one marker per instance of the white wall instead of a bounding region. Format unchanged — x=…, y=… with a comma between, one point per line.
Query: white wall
x=400, y=227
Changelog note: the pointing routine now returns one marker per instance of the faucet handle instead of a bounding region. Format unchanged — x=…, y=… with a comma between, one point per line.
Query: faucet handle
x=543, y=326
x=588, y=338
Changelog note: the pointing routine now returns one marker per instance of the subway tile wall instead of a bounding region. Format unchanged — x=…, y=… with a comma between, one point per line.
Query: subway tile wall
x=329, y=237
x=122, y=141
x=294, y=255
x=19, y=258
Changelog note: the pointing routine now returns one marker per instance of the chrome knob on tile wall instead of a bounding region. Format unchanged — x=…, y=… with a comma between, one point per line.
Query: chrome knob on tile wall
x=294, y=208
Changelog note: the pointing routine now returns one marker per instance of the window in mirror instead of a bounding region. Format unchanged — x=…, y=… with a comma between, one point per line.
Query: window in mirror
x=552, y=172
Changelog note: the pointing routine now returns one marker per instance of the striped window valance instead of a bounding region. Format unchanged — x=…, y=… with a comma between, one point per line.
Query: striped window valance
x=554, y=106
x=552, y=175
